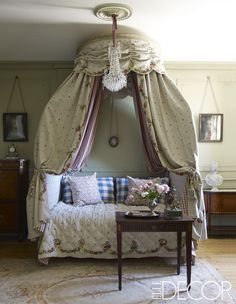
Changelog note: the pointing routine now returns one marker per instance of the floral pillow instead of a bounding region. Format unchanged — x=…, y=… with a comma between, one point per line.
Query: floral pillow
x=85, y=190
x=134, y=198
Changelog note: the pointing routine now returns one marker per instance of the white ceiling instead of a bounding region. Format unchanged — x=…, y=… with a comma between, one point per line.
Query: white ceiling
x=186, y=30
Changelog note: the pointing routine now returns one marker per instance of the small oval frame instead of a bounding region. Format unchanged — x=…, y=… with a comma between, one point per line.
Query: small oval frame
x=113, y=141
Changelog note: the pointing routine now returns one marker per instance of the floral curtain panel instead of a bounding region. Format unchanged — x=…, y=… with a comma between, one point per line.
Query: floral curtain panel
x=62, y=140
x=169, y=122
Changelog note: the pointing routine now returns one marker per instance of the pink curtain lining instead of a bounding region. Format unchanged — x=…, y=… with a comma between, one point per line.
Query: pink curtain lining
x=154, y=163
x=86, y=142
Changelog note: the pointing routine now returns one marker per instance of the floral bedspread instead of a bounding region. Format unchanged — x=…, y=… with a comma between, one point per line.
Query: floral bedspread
x=90, y=232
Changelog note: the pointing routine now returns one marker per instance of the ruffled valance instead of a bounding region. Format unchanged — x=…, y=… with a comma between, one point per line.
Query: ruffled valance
x=137, y=54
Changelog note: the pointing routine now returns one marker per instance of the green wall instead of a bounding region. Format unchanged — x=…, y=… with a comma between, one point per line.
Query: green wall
x=38, y=82
x=128, y=157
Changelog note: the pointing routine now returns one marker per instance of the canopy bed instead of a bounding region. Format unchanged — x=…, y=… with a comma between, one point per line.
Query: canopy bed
x=68, y=125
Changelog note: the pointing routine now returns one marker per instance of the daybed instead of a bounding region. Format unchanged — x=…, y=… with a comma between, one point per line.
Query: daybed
x=90, y=231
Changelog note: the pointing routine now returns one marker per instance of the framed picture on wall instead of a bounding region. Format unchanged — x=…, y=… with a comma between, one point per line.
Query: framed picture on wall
x=15, y=127
x=210, y=127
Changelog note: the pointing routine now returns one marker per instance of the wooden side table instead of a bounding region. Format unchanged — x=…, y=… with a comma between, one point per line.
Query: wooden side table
x=220, y=203
x=127, y=224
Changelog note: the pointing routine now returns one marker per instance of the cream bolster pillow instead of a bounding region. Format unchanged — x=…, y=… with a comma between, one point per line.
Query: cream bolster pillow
x=53, y=187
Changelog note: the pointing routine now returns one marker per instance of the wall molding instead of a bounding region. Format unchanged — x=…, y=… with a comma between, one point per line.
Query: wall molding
x=201, y=65
x=117, y=173
x=225, y=179
x=220, y=169
x=36, y=65
x=169, y=65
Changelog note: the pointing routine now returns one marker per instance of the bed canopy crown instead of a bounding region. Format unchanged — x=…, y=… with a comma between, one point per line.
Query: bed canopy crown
x=138, y=54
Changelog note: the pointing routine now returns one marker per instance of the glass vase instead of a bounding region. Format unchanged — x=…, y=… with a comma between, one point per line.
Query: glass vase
x=152, y=205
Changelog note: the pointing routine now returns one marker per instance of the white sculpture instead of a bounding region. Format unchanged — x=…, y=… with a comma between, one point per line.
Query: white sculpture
x=213, y=179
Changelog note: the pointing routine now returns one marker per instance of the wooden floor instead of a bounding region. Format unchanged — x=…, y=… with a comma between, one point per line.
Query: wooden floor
x=14, y=249
x=221, y=253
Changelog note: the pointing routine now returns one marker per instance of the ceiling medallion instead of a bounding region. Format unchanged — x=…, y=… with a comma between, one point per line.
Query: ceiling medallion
x=105, y=11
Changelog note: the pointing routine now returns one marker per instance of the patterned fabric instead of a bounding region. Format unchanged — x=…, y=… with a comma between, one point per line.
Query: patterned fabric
x=171, y=130
x=184, y=201
x=84, y=190
x=137, y=55
x=90, y=232
x=121, y=189
x=106, y=189
x=66, y=191
x=135, y=183
x=61, y=128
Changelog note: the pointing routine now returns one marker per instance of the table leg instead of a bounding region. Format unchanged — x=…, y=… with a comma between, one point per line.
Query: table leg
x=179, y=239
x=119, y=253
x=189, y=254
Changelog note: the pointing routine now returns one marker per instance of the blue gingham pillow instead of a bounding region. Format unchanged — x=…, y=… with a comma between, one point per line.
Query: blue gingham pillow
x=106, y=189
x=121, y=189
x=66, y=191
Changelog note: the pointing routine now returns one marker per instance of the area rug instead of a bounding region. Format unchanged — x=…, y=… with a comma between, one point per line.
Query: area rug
x=145, y=281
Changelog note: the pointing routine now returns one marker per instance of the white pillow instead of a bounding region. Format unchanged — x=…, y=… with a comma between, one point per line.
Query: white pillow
x=85, y=190
x=53, y=187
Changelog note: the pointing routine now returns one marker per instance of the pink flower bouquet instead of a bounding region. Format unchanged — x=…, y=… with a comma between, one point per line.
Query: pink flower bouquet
x=150, y=191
